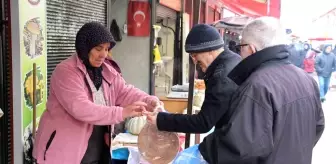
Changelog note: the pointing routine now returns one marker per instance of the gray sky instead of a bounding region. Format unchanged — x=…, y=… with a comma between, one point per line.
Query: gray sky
x=298, y=14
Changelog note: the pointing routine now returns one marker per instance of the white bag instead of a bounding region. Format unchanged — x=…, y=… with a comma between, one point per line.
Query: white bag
x=135, y=157
x=1, y=113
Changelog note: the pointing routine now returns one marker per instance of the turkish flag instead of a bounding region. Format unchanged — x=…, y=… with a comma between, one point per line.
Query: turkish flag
x=138, y=18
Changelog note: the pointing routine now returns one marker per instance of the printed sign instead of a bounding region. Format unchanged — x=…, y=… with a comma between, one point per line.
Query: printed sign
x=33, y=49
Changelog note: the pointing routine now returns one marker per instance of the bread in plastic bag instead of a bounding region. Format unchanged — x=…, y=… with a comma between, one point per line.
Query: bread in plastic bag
x=157, y=147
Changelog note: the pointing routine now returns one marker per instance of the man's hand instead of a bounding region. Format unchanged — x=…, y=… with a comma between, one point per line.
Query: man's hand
x=134, y=110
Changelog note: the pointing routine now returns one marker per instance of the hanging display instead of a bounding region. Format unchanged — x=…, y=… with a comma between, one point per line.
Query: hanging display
x=138, y=18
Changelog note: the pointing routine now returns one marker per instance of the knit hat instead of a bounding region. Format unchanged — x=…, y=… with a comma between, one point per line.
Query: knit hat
x=203, y=38
x=91, y=35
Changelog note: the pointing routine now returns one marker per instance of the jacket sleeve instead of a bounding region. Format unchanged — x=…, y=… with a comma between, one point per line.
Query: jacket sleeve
x=68, y=86
x=317, y=64
x=245, y=139
x=334, y=64
x=127, y=94
x=320, y=123
x=215, y=105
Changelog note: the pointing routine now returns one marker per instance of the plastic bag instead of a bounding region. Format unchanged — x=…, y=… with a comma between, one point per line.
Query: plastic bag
x=190, y=156
x=135, y=157
x=199, y=98
x=157, y=147
x=120, y=154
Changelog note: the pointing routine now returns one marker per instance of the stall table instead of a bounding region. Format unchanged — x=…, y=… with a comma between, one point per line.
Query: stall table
x=174, y=105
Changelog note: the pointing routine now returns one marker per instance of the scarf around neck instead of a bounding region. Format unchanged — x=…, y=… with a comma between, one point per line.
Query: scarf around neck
x=95, y=74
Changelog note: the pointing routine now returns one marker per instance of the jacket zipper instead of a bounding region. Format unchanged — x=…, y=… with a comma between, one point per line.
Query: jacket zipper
x=52, y=136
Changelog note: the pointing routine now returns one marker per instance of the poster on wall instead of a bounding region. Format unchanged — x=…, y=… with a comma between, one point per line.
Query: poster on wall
x=33, y=49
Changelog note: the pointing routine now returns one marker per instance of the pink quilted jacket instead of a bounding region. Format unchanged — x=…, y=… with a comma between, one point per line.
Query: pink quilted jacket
x=67, y=124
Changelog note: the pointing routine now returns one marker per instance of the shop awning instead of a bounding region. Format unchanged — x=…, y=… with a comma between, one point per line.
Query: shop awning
x=254, y=8
x=320, y=39
x=234, y=24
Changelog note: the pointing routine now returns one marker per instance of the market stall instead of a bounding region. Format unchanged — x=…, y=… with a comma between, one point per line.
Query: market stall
x=254, y=8
x=232, y=27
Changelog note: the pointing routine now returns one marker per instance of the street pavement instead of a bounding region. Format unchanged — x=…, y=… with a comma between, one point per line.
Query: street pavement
x=324, y=151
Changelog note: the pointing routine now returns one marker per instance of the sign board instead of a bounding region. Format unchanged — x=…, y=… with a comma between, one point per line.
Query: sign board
x=33, y=49
x=173, y=4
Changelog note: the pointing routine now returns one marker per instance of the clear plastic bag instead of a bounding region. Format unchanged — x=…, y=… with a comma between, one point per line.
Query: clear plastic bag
x=135, y=157
x=157, y=147
x=190, y=156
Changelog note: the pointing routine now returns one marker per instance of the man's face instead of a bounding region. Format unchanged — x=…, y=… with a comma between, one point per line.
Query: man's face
x=328, y=49
x=203, y=59
x=245, y=49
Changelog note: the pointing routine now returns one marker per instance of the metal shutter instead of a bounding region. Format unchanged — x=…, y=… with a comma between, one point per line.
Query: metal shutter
x=64, y=18
x=6, y=126
x=165, y=12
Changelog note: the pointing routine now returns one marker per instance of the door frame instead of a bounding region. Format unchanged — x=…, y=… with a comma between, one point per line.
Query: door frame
x=6, y=128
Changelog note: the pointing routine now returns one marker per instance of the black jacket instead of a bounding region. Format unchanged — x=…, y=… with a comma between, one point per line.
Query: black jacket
x=275, y=117
x=219, y=89
x=297, y=56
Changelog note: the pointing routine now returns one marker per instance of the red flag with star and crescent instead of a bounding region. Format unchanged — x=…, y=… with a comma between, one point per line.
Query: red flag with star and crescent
x=138, y=18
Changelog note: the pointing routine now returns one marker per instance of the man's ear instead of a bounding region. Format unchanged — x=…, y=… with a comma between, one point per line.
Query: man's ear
x=253, y=48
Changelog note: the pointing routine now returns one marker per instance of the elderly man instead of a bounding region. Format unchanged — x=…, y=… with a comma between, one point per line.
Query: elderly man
x=206, y=47
x=276, y=115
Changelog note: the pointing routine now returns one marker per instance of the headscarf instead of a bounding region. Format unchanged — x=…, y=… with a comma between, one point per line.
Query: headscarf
x=89, y=36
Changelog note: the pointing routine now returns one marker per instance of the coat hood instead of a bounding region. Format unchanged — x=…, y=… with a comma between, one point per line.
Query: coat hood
x=325, y=48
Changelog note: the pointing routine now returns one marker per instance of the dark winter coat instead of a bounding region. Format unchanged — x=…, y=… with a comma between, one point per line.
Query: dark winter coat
x=275, y=116
x=219, y=89
x=325, y=63
x=297, y=56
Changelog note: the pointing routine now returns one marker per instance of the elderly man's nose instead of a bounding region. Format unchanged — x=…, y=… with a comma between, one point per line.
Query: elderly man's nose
x=194, y=60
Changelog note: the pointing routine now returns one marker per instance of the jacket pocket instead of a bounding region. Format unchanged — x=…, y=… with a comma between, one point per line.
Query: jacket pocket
x=51, y=138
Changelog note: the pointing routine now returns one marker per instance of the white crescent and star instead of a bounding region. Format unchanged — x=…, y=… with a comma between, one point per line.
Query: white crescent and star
x=139, y=12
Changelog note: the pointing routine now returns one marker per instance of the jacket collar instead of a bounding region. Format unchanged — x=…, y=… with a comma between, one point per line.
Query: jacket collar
x=213, y=66
x=247, y=66
x=108, y=72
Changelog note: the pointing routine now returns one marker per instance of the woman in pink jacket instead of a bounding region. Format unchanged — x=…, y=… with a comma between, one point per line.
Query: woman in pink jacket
x=87, y=97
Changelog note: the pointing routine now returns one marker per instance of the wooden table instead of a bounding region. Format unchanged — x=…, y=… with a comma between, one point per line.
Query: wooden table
x=174, y=105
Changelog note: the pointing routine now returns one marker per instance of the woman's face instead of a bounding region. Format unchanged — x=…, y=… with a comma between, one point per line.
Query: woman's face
x=98, y=54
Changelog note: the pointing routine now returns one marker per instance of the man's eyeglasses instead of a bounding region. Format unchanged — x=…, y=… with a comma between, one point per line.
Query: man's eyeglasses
x=193, y=56
x=241, y=45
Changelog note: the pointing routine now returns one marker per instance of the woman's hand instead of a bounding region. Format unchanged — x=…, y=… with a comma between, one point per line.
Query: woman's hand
x=134, y=110
x=155, y=105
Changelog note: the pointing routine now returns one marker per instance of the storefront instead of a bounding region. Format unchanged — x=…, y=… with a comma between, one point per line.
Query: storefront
x=42, y=34
x=323, y=27
x=210, y=11
x=64, y=18
x=168, y=68
x=6, y=143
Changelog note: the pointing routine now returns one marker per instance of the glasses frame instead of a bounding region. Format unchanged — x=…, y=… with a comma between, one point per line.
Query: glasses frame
x=241, y=45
